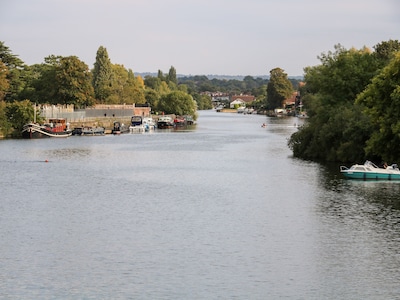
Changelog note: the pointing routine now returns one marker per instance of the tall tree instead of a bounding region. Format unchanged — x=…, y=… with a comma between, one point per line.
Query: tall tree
x=279, y=88
x=74, y=82
x=14, y=76
x=171, y=77
x=102, y=75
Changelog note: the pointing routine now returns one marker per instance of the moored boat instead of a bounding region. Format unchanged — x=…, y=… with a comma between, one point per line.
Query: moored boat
x=371, y=171
x=88, y=130
x=165, y=122
x=119, y=128
x=149, y=124
x=136, y=125
x=54, y=128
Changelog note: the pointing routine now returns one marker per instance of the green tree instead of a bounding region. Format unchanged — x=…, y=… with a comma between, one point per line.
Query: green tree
x=385, y=50
x=279, y=88
x=337, y=129
x=152, y=97
x=382, y=101
x=4, y=82
x=203, y=101
x=14, y=75
x=102, y=75
x=18, y=113
x=171, y=77
x=74, y=82
x=125, y=87
x=44, y=82
x=178, y=103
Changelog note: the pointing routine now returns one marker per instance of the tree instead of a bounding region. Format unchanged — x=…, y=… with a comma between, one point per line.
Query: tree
x=203, y=101
x=10, y=60
x=279, y=88
x=382, y=101
x=171, y=77
x=14, y=75
x=44, y=82
x=125, y=87
x=102, y=75
x=337, y=128
x=19, y=113
x=178, y=103
x=4, y=82
x=74, y=82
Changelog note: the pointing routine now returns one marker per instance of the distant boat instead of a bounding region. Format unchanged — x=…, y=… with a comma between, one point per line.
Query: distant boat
x=165, y=122
x=149, y=124
x=370, y=171
x=88, y=130
x=137, y=125
x=119, y=128
x=57, y=128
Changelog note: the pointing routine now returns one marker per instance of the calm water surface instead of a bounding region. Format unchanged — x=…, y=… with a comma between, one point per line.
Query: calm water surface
x=219, y=212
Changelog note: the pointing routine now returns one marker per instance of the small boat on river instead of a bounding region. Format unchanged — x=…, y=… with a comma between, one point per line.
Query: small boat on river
x=149, y=124
x=165, y=122
x=88, y=130
x=136, y=125
x=119, y=128
x=54, y=128
x=371, y=171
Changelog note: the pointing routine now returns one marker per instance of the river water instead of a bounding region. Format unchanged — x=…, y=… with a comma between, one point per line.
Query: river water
x=222, y=211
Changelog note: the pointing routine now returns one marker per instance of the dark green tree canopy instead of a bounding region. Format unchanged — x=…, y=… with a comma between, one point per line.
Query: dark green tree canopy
x=102, y=75
x=382, y=101
x=279, y=88
x=340, y=128
x=74, y=82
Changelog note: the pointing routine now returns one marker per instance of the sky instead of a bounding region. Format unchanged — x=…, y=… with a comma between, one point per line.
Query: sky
x=196, y=37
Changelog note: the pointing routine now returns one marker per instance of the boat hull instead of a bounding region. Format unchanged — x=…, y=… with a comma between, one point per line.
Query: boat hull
x=371, y=176
x=33, y=131
x=369, y=171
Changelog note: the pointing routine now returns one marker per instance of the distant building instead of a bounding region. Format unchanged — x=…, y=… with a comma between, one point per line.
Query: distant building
x=244, y=98
x=241, y=100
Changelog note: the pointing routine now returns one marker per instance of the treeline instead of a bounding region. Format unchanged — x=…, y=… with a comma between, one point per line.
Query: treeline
x=353, y=103
x=68, y=80
x=249, y=85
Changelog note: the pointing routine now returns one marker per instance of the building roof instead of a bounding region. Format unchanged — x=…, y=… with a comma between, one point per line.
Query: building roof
x=245, y=98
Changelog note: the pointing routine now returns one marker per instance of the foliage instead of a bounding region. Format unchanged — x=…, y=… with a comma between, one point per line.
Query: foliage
x=74, y=82
x=203, y=101
x=125, y=87
x=102, y=75
x=171, y=77
x=279, y=88
x=339, y=128
x=382, y=101
x=178, y=103
x=4, y=82
x=19, y=113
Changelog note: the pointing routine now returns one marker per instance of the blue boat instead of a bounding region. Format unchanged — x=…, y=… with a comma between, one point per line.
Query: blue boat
x=369, y=171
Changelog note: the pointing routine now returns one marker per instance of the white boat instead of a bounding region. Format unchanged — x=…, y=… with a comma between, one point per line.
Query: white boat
x=149, y=124
x=371, y=171
x=165, y=122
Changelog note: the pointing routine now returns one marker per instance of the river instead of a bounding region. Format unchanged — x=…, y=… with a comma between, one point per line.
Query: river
x=222, y=211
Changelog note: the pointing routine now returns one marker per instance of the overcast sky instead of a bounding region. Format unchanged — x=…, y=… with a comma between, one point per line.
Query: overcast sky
x=197, y=37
